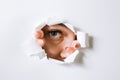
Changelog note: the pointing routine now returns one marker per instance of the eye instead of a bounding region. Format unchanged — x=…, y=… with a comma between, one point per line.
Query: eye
x=55, y=34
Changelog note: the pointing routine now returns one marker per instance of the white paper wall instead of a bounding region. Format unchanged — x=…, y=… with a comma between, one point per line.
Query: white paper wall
x=99, y=18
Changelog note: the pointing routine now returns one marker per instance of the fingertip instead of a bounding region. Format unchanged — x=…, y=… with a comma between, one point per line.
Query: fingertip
x=39, y=33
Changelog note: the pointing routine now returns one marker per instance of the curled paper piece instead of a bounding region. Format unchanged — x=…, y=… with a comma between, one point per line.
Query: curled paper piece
x=31, y=48
x=82, y=37
x=53, y=21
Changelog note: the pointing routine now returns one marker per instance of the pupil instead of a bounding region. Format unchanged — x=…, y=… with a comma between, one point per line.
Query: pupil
x=54, y=33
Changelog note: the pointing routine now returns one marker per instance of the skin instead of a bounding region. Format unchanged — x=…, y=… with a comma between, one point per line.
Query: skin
x=58, y=41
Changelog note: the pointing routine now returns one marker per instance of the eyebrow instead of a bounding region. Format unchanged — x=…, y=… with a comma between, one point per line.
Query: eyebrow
x=61, y=24
x=57, y=30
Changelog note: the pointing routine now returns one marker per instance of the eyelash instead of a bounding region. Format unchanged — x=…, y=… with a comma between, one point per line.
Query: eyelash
x=58, y=31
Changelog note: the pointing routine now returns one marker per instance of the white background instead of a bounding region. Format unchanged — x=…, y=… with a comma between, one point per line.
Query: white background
x=99, y=18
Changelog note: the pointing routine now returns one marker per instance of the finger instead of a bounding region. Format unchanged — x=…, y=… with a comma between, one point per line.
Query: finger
x=39, y=34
